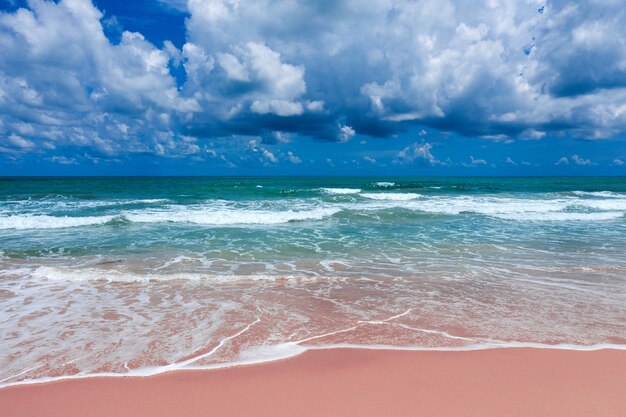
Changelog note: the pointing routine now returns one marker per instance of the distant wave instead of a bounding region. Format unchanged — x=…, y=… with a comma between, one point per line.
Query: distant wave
x=606, y=194
x=391, y=196
x=341, y=190
x=385, y=184
x=514, y=209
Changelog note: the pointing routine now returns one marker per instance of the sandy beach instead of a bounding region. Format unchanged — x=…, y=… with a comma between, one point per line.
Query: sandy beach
x=353, y=382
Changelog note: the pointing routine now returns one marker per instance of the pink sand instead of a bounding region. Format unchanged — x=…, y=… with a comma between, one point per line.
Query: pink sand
x=353, y=382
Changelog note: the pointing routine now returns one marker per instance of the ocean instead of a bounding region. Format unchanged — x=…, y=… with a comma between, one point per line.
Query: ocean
x=142, y=275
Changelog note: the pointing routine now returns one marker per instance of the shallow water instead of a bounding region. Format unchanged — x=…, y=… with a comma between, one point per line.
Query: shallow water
x=141, y=275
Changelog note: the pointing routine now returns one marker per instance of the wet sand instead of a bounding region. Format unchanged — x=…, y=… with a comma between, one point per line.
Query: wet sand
x=353, y=382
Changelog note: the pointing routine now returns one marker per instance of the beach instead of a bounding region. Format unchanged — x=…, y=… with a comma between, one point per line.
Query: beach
x=353, y=382
x=312, y=296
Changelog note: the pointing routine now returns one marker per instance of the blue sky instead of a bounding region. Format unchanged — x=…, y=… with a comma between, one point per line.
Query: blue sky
x=318, y=87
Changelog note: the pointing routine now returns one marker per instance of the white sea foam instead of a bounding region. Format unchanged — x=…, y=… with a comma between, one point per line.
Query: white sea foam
x=115, y=275
x=207, y=216
x=560, y=216
x=614, y=204
x=606, y=194
x=280, y=351
x=341, y=190
x=28, y=221
x=223, y=216
x=506, y=208
x=391, y=196
x=385, y=184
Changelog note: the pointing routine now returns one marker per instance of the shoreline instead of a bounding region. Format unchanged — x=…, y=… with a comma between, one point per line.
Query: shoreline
x=512, y=381
x=300, y=350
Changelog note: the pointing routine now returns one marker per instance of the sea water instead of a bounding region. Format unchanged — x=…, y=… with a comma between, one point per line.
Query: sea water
x=126, y=276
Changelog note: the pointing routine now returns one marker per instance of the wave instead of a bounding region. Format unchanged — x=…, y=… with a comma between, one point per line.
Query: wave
x=385, y=184
x=606, y=194
x=230, y=216
x=560, y=216
x=514, y=209
x=27, y=221
x=391, y=196
x=341, y=190
x=197, y=216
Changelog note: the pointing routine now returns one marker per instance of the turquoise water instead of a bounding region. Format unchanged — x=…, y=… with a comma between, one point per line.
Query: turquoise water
x=128, y=274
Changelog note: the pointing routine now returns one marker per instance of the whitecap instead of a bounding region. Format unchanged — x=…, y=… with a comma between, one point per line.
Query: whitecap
x=28, y=221
x=230, y=216
x=341, y=190
x=391, y=196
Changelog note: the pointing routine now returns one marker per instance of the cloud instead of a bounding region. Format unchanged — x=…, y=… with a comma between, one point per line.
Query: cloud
x=417, y=152
x=345, y=133
x=19, y=142
x=328, y=70
x=370, y=160
x=509, y=161
x=475, y=162
x=618, y=162
x=293, y=158
x=63, y=160
x=575, y=159
x=62, y=76
x=581, y=161
x=269, y=156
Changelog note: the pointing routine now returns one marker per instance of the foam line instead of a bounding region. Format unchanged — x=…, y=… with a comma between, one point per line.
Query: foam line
x=292, y=349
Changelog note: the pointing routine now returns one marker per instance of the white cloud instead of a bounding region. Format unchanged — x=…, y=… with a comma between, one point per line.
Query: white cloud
x=63, y=160
x=415, y=152
x=475, y=162
x=562, y=161
x=293, y=158
x=345, y=133
x=509, y=161
x=277, y=107
x=618, y=162
x=20, y=142
x=581, y=161
x=370, y=160
x=493, y=69
x=269, y=156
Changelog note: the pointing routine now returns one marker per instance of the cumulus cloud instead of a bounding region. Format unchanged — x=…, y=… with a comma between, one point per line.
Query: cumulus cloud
x=575, y=159
x=345, y=133
x=475, y=162
x=293, y=158
x=581, y=161
x=63, y=77
x=500, y=70
x=509, y=161
x=618, y=162
x=417, y=152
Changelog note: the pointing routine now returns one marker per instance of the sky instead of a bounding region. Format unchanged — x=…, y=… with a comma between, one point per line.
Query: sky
x=312, y=87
